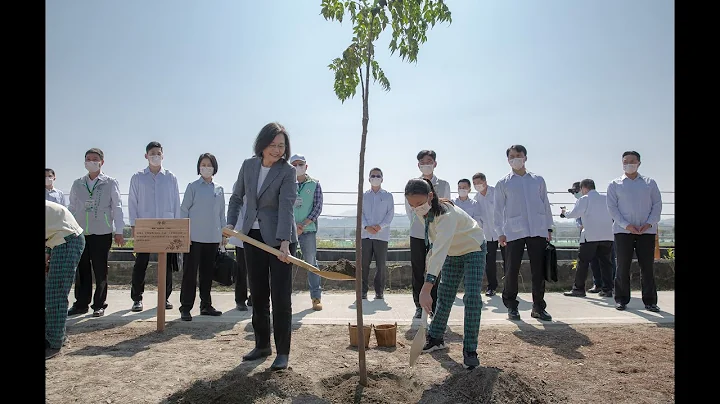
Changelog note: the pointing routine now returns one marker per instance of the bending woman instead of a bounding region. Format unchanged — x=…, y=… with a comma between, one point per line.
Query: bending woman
x=458, y=249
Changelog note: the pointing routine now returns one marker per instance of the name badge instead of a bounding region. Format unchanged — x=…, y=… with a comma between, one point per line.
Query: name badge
x=89, y=205
x=298, y=202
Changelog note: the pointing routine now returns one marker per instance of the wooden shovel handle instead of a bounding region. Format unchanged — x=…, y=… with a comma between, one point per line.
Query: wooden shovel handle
x=274, y=251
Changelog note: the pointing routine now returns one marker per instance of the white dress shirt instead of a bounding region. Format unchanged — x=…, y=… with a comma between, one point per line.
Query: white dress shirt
x=153, y=196
x=471, y=207
x=634, y=202
x=378, y=208
x=417, y=227
x=522, y=208
x=596, y=221
x=487, y=212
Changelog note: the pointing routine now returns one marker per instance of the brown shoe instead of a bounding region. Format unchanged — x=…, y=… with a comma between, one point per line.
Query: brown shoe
x=316, y=305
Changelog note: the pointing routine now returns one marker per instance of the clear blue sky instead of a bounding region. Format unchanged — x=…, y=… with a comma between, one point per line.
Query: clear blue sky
x=575, y=81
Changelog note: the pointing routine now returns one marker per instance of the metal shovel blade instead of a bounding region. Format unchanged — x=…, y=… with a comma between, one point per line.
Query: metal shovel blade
x=419, y=340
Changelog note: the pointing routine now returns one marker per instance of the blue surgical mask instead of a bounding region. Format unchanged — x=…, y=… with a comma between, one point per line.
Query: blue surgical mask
x=578, y=195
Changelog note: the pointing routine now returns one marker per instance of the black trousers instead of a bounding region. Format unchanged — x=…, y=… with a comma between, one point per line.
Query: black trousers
x=491, y=263
x=644, y=247
x=241, y=278
x=418, y=252
x=94, y=259
x=199, y=263
x=378, y=249
x=138, y=276
x=270, y=278
x=590, y=251
x=513, y=255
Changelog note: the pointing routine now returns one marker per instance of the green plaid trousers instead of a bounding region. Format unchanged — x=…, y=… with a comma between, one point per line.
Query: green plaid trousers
x=63, y=263
x=470, y=266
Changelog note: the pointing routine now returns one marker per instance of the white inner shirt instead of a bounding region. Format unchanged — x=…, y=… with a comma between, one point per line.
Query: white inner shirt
x=261, y=178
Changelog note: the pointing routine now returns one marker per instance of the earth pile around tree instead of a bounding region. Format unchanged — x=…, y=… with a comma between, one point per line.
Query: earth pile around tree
x=342, y=266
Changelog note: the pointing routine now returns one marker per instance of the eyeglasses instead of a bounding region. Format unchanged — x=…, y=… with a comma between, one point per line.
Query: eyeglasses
x=375, y=176
x=276, y=146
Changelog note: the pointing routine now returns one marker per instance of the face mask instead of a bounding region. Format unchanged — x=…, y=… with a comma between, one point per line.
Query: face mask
x=155, y=161
x=300, y=170
x=463, y=192
x=630, y=168
x=516, y=163
x=49, y=181
x=375, y=182
x=480, y=187
x=426, y=169
x=206, y=172
x=92, y=166
x=422, y=210
x=578, y=195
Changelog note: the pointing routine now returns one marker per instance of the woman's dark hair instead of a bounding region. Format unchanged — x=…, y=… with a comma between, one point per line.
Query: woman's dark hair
x=213, y=162
x=417, y=186
x=267, y=135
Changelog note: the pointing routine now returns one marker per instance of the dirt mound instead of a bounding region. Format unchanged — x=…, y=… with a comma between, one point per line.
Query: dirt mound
x=342, y=266
x=383, y=387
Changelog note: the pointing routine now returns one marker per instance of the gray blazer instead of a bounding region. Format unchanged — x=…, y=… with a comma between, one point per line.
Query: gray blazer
x=272, y=206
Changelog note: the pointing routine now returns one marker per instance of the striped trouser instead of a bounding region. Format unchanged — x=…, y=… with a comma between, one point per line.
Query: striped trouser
x=63, y=263
x=471, y=266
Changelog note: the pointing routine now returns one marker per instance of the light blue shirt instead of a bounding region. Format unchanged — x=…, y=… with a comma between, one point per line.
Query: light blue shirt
x=596, y=221
x=522, y=208
x=204, y=203
x=634, y=202
x=378, y=208
x=55, y=195
x=153, y=196
x=472, y=208
x=487, y=212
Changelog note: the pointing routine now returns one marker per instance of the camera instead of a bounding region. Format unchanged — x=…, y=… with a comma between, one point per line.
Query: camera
x=575, y=188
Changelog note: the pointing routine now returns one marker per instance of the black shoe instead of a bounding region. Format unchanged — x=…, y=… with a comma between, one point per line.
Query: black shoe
x=257, y=353
x=249, y=301
x=210, y=311
x=620, y=306
x=433, y=344
x=490, y=293
x=652, y=307
x=168, y=305
x=418, y=312
x=513, y=314
x=574, y=293
x=594, y=289
x=379, y=297
x=470, y=360
x=137, y=306
x=185, y=315
x=241, y=307
x=541, y=315
x=98, y=313
x=280, y=363
x=51, y=352
x=74, y=311
x=605, y=294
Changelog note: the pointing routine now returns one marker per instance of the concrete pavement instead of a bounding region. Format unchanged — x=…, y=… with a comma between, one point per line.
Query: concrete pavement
x=339, y=308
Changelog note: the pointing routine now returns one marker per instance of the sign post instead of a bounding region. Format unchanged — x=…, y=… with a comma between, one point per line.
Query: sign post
x=162, y=236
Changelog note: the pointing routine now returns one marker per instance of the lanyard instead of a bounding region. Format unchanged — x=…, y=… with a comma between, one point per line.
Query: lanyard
x=93, y=189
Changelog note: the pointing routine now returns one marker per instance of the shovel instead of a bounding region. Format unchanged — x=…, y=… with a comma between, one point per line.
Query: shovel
x=336, y=276
x=419, y=340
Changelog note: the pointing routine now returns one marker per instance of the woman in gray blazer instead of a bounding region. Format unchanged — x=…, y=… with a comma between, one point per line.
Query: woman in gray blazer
x=268, y=182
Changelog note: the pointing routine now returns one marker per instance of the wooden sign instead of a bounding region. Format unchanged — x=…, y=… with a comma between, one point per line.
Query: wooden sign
x=162, y=235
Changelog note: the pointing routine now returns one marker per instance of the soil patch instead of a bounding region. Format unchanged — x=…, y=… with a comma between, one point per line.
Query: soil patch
x=342, y=266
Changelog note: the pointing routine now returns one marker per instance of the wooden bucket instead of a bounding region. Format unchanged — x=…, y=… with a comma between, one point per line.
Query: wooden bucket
x=367, y=330
x=386, y=334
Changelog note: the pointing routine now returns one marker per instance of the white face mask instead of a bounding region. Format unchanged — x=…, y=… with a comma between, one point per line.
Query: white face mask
x=155, y=161
x=300, y=170
x=375, y=182
x=463, y=192
x=422, y=210
x=480, y=187
x=92, y=166
x=49, y=181
x=516, y=163
x=426, y=169
x=630, y=168
x=206, y=172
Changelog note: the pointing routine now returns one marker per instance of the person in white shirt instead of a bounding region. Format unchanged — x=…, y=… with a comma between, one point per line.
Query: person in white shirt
x=635, y=204
x=378, y=211
x=154, y=194
x=63, y=248
x=457, y=249
x=523, y=219
x=426, y=164
x=596, y=238
x=51, y=193
x=96, y=203
x=485, y=197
